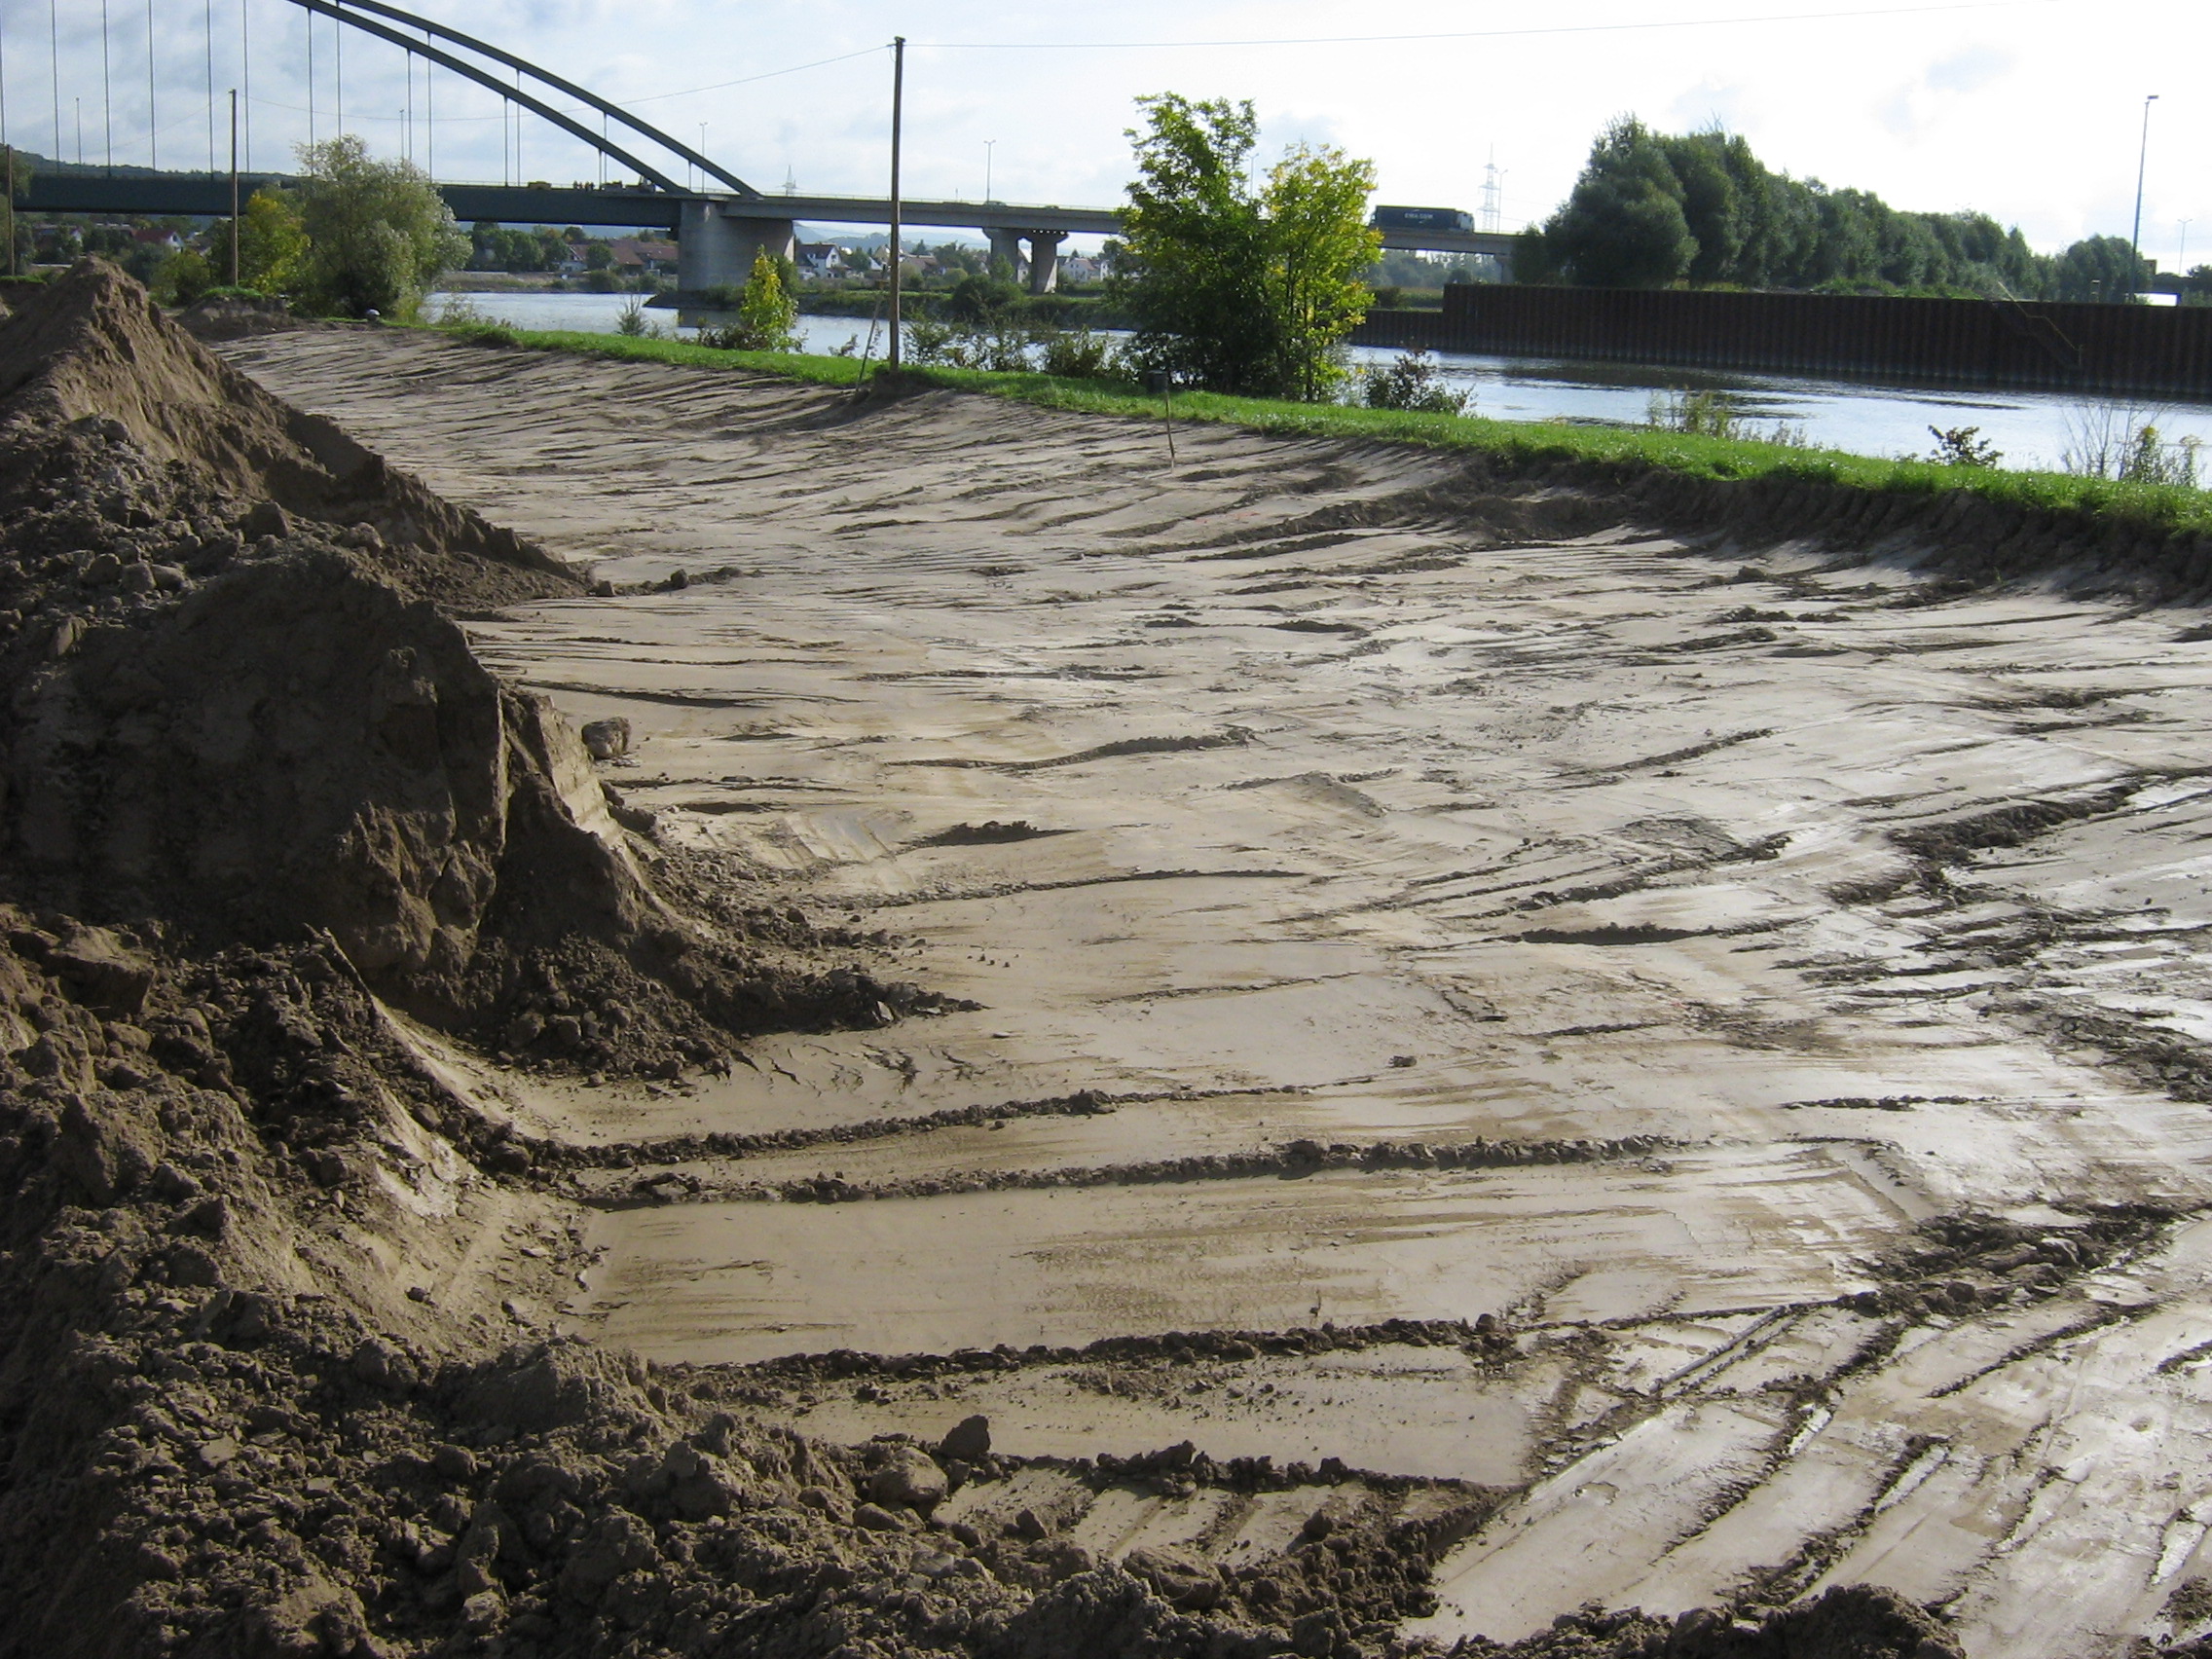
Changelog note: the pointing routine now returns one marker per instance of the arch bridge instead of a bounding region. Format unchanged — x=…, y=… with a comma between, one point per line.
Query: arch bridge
x=718, y=232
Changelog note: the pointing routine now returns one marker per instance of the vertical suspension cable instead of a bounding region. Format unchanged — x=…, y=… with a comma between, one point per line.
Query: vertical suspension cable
x=107, y=100
x=429, y=113
x=338, y=74
x=54, y=40
x=310, y=15
x=245, y=78
x=153, y=119
x=211, y=6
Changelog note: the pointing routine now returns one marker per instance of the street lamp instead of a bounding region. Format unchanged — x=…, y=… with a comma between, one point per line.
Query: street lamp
x=2142, y=156
x=989, y=144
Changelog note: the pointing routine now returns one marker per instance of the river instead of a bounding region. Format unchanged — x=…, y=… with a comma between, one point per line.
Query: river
x=2030, y=429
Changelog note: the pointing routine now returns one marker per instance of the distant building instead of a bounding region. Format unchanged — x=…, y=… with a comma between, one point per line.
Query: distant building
x=636, y=256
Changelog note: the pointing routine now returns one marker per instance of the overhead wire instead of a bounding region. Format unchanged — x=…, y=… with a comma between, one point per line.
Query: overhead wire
x=1639, y=25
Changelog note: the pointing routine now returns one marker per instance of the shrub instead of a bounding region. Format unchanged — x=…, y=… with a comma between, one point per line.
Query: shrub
x=1077, y=354
x=1964, y=446
x=1414, y=381
x=186, y=275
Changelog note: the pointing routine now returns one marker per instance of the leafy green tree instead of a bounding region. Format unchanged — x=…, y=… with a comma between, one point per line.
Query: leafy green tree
x=1315, y=203
x=1623, y=226
x=272, y=245
x=1235, y=288
x=379, y=235
x=185, y=275
x=982, y=300
x=2100, y=268
x=768, y=311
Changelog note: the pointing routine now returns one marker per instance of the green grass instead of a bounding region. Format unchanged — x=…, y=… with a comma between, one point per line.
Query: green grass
x=1623, y=448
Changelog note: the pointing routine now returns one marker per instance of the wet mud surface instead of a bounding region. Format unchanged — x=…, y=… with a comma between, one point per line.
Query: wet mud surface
x=1741, y=1006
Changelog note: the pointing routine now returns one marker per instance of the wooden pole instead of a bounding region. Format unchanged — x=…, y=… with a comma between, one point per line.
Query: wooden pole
x=891, y=357
x=234, y=187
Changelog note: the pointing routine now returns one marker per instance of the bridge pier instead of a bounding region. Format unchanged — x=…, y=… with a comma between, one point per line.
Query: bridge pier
x=1041, y=269
x=716, y=247
x=1044, y=260
x=1007, y=245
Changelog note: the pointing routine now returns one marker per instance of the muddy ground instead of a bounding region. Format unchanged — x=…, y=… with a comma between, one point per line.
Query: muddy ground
x=1760, y=987
x=1320, y=1051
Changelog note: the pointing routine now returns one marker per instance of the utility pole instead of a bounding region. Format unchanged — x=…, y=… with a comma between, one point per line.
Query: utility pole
x=2142, y=160
x=989, y=145
x=234, y=187
x=898, y=111
x=8, y=152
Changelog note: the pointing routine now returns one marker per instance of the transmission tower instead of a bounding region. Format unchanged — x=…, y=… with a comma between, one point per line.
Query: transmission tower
x=1493, y=195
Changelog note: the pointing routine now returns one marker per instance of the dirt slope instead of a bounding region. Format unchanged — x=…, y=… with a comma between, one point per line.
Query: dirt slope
x=1761, y=974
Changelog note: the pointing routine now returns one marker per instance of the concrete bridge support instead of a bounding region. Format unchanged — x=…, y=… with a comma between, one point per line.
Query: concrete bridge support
x=1040, y=270
x=1007, y=245
x=1044, y=260
x=716, y=247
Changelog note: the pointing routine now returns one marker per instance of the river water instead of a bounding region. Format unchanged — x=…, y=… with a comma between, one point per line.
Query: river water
x=2031, y=428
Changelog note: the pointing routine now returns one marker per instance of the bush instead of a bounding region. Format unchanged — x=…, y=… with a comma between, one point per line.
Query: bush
x=636, y=325
x=767, y=315
x=186, y=277
x=2106, y=440
x=1964, y=446
x=1415, y=383
x=1078, y=354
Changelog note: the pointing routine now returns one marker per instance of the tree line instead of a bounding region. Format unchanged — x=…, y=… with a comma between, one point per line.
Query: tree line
x=1653, y=210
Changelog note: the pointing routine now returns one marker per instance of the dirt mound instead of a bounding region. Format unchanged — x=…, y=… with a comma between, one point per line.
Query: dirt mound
x=235, y=316
x=253, y=742
x=90, y=369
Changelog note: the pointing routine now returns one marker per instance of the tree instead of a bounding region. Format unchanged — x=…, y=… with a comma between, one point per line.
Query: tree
x=1233, y=288
x=767, y=313
x=1624, y=227
x=272, y=245
x=378, y=234
x=2100, y=268
x=1319, y=242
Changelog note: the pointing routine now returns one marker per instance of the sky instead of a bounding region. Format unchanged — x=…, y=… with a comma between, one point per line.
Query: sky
x=2029, y=110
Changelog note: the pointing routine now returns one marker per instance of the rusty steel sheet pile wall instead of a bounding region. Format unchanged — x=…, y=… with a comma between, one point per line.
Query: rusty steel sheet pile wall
x=2150, y=350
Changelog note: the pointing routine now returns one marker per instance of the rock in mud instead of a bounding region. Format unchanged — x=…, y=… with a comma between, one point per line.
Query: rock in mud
x=907, y=1478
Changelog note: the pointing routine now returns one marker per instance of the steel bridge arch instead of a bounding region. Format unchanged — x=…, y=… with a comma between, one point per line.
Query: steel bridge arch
x=345, y=12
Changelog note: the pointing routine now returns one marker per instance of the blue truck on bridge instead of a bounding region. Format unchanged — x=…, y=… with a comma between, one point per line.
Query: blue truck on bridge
x=1421, y=219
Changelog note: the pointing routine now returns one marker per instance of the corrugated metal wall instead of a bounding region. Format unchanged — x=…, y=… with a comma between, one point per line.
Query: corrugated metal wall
x=2145, y=350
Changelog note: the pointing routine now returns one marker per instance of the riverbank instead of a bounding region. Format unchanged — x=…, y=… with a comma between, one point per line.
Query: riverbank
x=2010, y=521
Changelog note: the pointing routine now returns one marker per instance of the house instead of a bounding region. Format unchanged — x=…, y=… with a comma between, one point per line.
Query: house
x=634, y=254
x=1082, y=268
x=148, y=236
x=820, y=259
x=573, y=259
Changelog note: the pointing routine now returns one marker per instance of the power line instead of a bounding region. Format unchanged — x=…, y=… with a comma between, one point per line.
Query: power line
x=748, y=80
x=1469, y=34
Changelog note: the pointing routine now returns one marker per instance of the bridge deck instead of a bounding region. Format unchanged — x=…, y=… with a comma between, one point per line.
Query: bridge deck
x=627, y=206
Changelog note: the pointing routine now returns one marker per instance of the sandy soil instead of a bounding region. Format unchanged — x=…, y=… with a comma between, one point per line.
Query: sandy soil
x=1358, y=804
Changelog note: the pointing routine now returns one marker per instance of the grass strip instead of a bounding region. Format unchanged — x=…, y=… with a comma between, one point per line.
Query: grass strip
x=2161, y=508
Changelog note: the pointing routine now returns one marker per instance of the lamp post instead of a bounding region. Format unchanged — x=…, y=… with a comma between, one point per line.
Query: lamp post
x=989, y=144
x=2142, y=159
